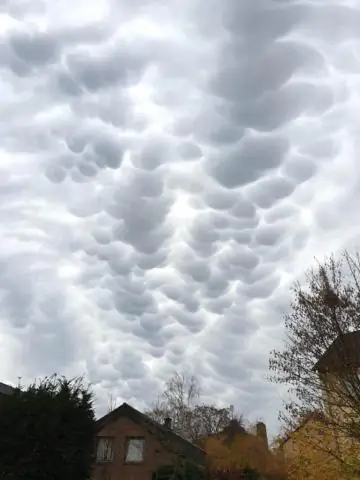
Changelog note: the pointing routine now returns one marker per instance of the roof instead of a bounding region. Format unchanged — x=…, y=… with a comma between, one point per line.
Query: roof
x=6, y=389
x=343, y=353
x=228, y=433
x=316, y=416
x=170, y=440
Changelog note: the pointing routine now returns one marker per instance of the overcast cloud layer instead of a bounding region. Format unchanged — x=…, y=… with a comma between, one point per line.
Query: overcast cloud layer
x=166, y=172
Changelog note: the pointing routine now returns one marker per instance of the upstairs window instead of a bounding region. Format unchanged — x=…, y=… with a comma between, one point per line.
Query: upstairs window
x=104, y=449
x=134, y=449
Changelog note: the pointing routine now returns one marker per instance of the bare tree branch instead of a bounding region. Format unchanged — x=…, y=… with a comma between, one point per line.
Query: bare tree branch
x=320, y=361
x=191, y=418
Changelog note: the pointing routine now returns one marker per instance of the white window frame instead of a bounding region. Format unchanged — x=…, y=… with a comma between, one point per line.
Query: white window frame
x=134, y=450
x=104, y=449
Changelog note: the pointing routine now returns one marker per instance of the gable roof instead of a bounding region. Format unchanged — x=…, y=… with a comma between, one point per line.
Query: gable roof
x=6, y=389
x=170, y=440
x=316, y=416
x=343, y=353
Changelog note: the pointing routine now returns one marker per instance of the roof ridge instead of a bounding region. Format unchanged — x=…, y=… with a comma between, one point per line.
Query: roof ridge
x=6, y=389
x=161, y=427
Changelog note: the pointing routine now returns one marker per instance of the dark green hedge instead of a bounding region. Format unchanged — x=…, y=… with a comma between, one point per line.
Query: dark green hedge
x=47, y=431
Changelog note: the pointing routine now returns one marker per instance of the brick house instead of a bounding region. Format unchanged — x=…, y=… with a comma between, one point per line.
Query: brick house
x=236, y=447
x=321, y=437
x=131, y=446
x=310, y=426
x=339, y=371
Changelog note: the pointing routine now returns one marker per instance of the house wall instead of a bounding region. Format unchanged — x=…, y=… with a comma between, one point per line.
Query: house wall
x=307, y=434
x=311, y=452
x=339, y=406
x=155, y=455
x=314, y=435
x=304, y=457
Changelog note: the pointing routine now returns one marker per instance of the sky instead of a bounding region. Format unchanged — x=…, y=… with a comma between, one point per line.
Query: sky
x=167, y=170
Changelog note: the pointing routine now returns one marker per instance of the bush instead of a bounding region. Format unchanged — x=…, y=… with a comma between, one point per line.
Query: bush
x=233, y=474
x=187, y=471
x=47, y=431
x=181, y=470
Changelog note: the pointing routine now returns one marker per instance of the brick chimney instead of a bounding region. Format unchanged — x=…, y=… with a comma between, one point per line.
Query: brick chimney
x=167, y=423
x=261, y=432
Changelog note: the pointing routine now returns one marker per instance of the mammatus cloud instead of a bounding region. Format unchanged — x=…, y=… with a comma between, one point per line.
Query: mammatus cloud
x=165, y=173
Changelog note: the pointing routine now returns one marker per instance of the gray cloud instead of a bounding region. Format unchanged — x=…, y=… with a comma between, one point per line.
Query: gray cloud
x=166, y=173
x=250, y=160
x=36, y=49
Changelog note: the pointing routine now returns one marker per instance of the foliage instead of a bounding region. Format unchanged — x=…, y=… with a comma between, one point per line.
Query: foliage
x=209, y=420
x=309, y=453
x=182, y=470
x=233, y=474
x=244, y=451
x=47, y=431
x=176, y=402
x=180, y=401
x=322, y=314
x=187, y=471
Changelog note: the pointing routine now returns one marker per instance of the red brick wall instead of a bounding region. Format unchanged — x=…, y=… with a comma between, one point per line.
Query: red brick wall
x=154, y=454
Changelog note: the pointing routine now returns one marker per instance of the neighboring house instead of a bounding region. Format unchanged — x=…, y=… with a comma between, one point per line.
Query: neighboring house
x=342, y=355
x=341, y=359
x=235, y=429
x=315, y=442
x=131, y=446
x=312, y=451
x=310, y=427
x=339, y=371
x=235, y=447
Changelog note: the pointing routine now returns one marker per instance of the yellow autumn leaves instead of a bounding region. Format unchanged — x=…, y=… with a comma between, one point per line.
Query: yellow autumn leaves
x=315, y=452
x=244, y=451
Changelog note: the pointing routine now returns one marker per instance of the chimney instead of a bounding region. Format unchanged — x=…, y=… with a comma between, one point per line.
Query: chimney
x=261, y=432
x=167, y=423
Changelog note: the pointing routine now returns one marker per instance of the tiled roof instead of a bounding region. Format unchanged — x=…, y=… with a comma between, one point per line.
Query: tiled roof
x=6, y=389
x=343, y=353
x=169, y=439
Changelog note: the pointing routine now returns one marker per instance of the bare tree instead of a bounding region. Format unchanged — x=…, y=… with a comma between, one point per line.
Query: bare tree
x=320, y=360
x=111, y=403
x=176, y=401
x=182, y=391
x=180, y=401
x=210, y=420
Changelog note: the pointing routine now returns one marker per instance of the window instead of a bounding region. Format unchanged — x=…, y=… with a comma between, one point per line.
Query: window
x=104, y=449
x=134, y=449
